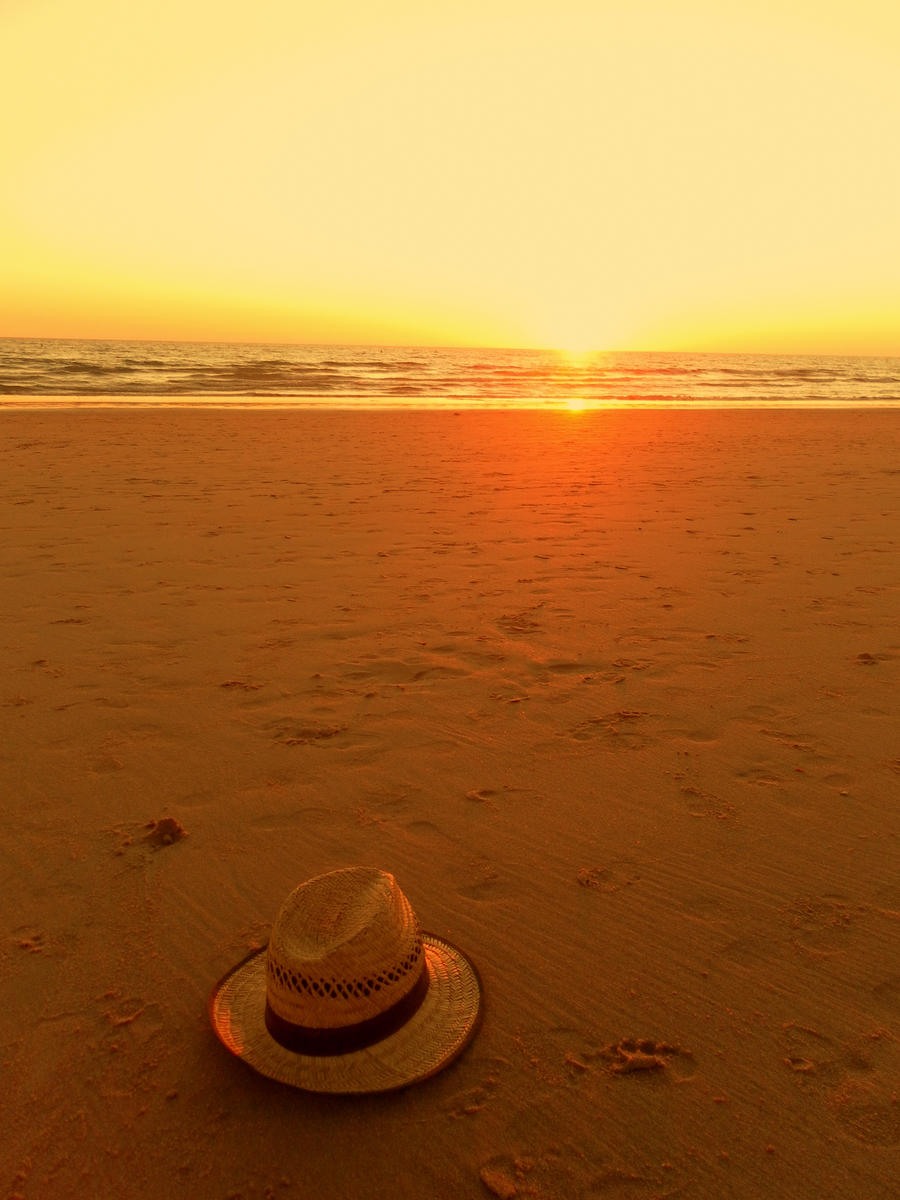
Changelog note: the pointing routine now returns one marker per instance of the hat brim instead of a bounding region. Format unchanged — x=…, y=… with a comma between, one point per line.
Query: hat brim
x=437, y=1033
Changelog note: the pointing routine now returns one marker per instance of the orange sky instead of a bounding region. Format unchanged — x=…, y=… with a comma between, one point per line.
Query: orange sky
x=644, y=174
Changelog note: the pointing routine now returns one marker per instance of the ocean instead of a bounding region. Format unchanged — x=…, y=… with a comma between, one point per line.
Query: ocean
x=41, y=373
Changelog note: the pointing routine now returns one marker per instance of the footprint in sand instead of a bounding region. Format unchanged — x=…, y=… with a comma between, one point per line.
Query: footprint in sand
x=887, y=900
x=488, y=889
x=872, y=1123
x=156, y=835
x=838, y=779
x=646, y=1055
x=704, y=804
x=521, y=622
x=29, y=939
x=105, y=763
x=574, y=1057
x=761, y=776
x=298, y=818
x=289, y=732
x=426, y=829
x=814, y=1057
x=822, y=1061
x=566, y=1171
x=846, y=1078
x=566, y=667
x=822, y=924
x=241, y=685
x=611, y=878
x=748, y=951
x=544, y=1173
x=507, y=1177
x=128, y=1030
x=887, y=993
x=619, y=729
x=473, y=1100
x=481, y=795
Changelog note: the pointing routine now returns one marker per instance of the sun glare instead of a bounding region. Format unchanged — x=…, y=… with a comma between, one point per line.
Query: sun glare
x=577, y=354
x=576, y=404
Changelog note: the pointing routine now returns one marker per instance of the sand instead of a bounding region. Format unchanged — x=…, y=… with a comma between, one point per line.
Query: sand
x=613, y=695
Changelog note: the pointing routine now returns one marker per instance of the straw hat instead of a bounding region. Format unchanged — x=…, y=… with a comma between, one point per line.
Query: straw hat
x=349, y=995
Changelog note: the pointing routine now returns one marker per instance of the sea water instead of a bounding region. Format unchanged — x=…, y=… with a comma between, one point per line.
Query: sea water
x=38, y=372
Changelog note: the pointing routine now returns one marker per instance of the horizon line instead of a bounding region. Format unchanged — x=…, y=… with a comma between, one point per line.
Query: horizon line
x=12, y=337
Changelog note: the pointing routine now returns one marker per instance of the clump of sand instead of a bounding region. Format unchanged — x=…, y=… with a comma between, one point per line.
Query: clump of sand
x=164, y=832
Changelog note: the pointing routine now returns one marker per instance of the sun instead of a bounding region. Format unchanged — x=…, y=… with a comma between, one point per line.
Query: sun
x=576, y=350
x=578, y=317
x=577, y=354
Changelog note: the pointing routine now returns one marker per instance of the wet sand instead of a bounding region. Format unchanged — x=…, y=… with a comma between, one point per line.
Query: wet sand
x=613, y=695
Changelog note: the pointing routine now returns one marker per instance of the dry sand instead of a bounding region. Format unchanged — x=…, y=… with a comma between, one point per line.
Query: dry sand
x=614, y=696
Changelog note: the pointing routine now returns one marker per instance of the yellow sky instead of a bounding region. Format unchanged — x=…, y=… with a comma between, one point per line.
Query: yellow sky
x=656, y=174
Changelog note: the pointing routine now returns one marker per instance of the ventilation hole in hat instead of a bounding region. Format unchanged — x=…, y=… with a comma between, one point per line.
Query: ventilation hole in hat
x=347, y=989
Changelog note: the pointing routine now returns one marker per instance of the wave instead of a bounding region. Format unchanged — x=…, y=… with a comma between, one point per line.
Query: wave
x=138, y=369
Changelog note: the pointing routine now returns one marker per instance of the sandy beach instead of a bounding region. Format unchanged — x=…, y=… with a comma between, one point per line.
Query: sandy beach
x=613, y=695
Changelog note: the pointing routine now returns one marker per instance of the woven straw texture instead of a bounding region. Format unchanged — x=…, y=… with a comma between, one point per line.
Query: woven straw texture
x=439, y=1031
x=357, y=939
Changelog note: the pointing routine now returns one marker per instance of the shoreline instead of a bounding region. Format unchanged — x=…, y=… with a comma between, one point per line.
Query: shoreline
x=424, y=403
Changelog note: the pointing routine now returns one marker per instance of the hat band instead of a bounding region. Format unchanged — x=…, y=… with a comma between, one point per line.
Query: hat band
x=304, y=1039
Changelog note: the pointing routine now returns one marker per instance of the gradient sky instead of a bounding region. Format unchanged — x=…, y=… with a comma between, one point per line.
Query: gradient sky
x=643, y=174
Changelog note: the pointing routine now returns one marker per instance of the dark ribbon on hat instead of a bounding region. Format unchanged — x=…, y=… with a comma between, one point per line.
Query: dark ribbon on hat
x=303, y=1039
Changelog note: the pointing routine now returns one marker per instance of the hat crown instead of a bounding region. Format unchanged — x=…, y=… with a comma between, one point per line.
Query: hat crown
x=345, y=947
